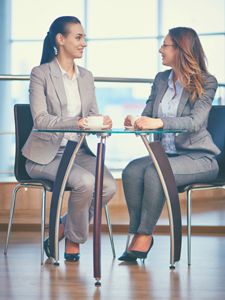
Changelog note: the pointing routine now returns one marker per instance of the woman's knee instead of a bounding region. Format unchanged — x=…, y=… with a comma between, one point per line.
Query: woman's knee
x=151, y=176
x=109, y=188
x=82, y=182
x=135, y=170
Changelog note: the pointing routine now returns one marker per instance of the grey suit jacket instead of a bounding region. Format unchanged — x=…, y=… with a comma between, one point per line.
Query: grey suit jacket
x=49, y=109
x=191, y=116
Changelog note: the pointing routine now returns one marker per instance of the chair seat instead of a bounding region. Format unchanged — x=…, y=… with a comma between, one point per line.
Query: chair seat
x=45, y=183
x=42, y=182
x=219, y=181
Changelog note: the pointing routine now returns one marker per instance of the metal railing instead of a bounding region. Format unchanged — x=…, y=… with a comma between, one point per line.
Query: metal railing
x=97, y=79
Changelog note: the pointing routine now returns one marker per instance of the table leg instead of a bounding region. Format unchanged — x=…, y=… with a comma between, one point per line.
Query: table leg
x=63, y=172
x=166, y=176
x=99, y=173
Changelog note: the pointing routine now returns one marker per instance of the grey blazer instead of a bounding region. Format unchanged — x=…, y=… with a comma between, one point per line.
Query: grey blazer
x=49, y=108
x=191, y=116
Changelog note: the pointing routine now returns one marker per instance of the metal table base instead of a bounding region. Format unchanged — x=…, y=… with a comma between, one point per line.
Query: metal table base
x=166, y=176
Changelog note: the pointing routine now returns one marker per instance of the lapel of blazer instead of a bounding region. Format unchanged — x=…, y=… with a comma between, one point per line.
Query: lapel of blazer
x=82, y=85
x=57, y=80
x=162, y=87
x=183, y=100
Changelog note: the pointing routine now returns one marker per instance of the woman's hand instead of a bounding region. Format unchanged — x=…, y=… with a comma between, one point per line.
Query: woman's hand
x=107, y=121
x=82, y=123
x=148, y=123
x=127, y=121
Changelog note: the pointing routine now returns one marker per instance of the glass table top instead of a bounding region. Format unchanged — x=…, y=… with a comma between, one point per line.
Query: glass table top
x=111, y=131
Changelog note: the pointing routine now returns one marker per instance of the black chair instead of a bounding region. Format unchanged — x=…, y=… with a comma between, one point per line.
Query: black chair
x=23, y=127
x=216, y=127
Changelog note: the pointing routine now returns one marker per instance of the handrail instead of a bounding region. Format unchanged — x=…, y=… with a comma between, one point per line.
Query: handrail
x=96, y=78
x=7, y=132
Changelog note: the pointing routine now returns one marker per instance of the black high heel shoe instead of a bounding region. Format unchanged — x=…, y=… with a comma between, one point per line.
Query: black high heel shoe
x=47, y=247
x=127, y=256
x=46, y=243
x=71, y=256
x=140, y=254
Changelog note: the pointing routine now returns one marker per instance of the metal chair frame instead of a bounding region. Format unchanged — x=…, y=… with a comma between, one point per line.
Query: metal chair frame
x=219, y=182
x=189, y=190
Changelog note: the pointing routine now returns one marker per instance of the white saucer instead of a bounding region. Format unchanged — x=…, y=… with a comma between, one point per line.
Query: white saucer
x=97, y=128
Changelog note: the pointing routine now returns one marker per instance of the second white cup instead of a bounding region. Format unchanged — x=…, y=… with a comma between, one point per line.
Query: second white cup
x=133, y=119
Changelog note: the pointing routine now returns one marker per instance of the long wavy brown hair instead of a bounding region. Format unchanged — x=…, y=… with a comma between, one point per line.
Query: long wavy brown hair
x=190, y=60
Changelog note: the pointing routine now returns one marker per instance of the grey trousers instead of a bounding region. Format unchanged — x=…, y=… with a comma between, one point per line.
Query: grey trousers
x=82, y=182
x=144, y=193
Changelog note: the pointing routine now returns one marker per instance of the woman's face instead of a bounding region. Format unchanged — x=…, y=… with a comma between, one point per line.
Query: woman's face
x=72, y=45
x=168, y=51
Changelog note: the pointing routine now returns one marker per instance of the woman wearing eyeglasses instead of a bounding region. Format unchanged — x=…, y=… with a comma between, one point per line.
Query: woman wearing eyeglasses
x=181, y=98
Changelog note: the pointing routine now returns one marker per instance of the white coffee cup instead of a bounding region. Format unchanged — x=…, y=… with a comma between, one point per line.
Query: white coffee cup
x=133, y=119
x=94, y=121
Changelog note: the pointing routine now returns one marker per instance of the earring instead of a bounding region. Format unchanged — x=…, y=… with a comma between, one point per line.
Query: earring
x=55, y=50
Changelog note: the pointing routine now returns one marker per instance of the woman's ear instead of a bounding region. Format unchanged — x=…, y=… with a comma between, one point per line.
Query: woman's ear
x=59, y=38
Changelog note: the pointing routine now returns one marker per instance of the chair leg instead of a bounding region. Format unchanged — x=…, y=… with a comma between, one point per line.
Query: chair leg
x=189, y=226
x=43, y=207
x=11, y=214
x=110, y=230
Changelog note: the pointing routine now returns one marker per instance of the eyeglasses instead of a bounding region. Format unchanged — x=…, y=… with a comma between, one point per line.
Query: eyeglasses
x=167, y=45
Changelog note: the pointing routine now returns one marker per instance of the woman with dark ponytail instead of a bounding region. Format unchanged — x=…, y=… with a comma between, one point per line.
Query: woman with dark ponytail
x=62, y=95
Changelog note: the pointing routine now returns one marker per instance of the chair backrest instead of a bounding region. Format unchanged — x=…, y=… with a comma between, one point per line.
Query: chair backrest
x=23, y=127
x=216, y=127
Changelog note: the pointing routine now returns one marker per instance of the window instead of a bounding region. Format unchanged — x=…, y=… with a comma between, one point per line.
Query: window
x=205, y=16
x=121, y=19
x=31, y=19
x=123, y=41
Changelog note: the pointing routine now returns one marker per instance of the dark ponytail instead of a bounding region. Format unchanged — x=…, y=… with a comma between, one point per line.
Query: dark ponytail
x=49, y=50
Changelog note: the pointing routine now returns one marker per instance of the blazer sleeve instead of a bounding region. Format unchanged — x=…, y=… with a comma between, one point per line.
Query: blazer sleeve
x=198, y=112
x=148, y=110
x=93, y=109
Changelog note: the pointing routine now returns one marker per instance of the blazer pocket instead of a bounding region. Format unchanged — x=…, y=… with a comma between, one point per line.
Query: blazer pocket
x=46, y=136
x=197, y=137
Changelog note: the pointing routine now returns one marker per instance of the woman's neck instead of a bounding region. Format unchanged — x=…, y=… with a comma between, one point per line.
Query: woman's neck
x=175, y=76
x=67, y=65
